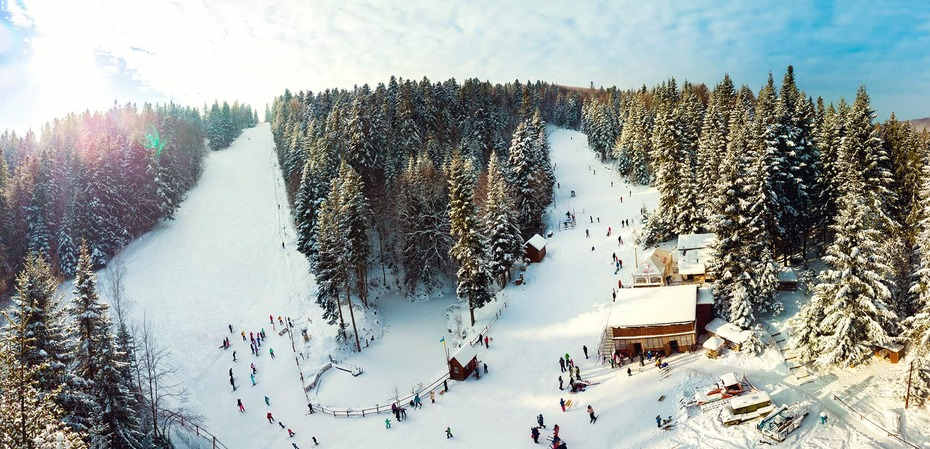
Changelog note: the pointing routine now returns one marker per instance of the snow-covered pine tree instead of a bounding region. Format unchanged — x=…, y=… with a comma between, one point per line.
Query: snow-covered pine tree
x=766, y=284
x=36, y=304
x=101, y=405
x=424, y=223
x=642, y=150
x=504, y=241
x=668, y=159
x=330, y=275
x=67, y=250
x=522, y=178
x=468, y=248
x=546, y=180
x=730, y=218
x=354, y=220
x=851, y=297
x=31, y=418
x=740, y=302
x=711, y=151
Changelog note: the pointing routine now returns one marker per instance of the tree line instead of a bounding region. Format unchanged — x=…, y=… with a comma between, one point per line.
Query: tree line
x=225, y=123
x=71, y=377
x=428, y=180
x=782, y=178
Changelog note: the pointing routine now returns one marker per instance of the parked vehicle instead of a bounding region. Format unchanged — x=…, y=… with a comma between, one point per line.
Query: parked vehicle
x=778, y=424
x=746, y=407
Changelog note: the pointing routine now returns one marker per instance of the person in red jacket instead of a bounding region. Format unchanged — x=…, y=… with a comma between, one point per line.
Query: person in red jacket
x=270, y=418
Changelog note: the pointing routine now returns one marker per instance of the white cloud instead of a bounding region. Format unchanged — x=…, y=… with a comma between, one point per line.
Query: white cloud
x=197, y=51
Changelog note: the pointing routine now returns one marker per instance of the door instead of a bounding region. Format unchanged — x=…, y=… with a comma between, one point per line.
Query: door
x=637, y=349
x=673, y=345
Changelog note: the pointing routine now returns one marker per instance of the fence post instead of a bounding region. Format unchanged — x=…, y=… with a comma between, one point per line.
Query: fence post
x=214, y=442
x=197, y=430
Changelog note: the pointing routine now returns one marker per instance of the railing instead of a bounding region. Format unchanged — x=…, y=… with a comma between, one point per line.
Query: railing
x=897, y=437
x=381, y=408
x=195, y=430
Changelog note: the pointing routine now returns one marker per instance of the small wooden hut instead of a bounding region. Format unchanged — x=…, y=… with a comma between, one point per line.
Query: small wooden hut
x=891, y=351
x=732, y=334
x=787, y=280
x=463, y=363
x=536, y=248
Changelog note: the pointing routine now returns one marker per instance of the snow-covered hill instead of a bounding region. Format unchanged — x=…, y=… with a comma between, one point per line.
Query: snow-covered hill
x=221, y=262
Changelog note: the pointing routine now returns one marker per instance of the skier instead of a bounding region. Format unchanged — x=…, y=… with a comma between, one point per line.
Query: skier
x=241, y=407
x=562, y=403
x=591, y=414
x=585, y=349
x=567, y=358
x=539, y=420
x=619, y=283
x=263, y=333
x=416, y=400
x=230, y=373
x=608, y=231
x=267, y=401
x=555, y=431
x=290, y=433
x=295, y=445
x=587, y=234
x=395, y=411
x=230, y=328
x=403, y=413
x=823, y=417
x=592, y=218
x=485, y=368
x=233, y=383
x=271, y=351
x=270, y=418
x=253, y=368
x=620, y=262
x=315, y=442
x=619, y=240
x=448, y=433
x=560, y=383
x=562, y=364
x=243, y=335
x=598, y=219
x=592, y=248
x=534, y=434
x=253, y=379
x=629, y=372
x=578, y=372
x=281, y=424
x=486, y=344
x=234, y=356
x=658, y=421
x=387, y=423
x=310, y=406
x=614, y=294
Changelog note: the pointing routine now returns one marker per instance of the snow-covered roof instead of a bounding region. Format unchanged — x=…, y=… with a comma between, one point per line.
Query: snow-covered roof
x=746, y=400
x=714, y=343
x=693, y=261
x=466, y=353
x=695, y=241
x=653, y=306
x=654, y=262
x=729, y=379
x=728, y=331
x=705, y=295
x=537, y=241
x=787, y=275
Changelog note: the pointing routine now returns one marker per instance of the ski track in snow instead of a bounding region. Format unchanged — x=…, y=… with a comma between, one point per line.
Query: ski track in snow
x=220, y=261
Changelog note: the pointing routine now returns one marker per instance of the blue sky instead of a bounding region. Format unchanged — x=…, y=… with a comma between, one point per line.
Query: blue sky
x=57, y=57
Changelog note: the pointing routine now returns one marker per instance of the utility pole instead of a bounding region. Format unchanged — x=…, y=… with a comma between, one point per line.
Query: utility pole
x=907, y=396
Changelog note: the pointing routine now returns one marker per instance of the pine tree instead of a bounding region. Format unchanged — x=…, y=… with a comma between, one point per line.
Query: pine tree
x=468, y=249
x=31, y=419
x=353, y=221
x=330, y=275
x=504, y=241
x=424, y=222
x=522, y=180
x=850, y=302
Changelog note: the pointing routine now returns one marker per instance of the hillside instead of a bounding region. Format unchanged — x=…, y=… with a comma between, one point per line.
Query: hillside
x=921, y=123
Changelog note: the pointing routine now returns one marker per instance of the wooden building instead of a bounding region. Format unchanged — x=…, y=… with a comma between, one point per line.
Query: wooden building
x=694, y=257
x=732, y=334
x=463, y=363
x=655, y=268
x=891, y=351
x=787, y=279
x=652, y=319
x=535, y=248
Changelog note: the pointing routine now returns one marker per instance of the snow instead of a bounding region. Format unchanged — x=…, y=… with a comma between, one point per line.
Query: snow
x=537, y=241
x=220, y=261
x=728, y=331
x=714, y=343
x=787, y=275
x=705, y=295
x=695, y=241
x=654, y=305
x=466, y=353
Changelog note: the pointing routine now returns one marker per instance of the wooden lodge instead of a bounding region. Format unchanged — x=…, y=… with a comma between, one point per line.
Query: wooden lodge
x=694, y=256
x=535, y=248
x=463, y=363
x=662, y=319
x=655, y=269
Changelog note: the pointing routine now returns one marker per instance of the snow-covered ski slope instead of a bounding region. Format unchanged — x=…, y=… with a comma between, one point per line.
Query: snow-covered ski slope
x=221, y=262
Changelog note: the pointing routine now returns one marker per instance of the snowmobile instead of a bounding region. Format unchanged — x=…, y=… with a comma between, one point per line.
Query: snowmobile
x=726, y=387
x=747, y=407
x=778, y=424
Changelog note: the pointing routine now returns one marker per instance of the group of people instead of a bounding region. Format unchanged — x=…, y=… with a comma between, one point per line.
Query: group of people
x=256, y=339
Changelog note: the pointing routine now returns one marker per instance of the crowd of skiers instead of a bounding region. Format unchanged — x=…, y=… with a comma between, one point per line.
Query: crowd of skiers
x=256, y=339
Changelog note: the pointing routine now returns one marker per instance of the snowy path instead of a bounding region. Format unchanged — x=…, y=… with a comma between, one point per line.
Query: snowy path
x=221, y=262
